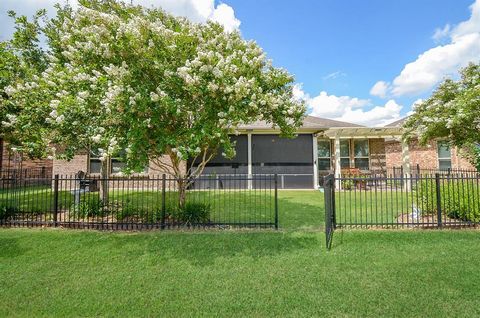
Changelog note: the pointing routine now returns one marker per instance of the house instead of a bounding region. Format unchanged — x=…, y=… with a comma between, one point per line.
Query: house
x=321, y=146
x=436, y=155
x=11, y=162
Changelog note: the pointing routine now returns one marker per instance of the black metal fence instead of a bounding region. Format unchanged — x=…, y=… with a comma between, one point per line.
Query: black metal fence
x=24, y=177
x=142, y=202
x=427, y=200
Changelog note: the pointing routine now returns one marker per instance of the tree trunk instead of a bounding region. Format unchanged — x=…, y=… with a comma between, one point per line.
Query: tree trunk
x=182, y=192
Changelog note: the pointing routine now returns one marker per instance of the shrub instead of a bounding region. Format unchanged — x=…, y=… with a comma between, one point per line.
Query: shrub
x=92, y=207
x=7, y=210
x=460, y=198
x=347, y=184
x=193, y=213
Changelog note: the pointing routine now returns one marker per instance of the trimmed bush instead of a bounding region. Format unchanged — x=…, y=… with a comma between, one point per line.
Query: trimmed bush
x=194, y=213
x=7, y=210
x=460, y=199
x=92, y=207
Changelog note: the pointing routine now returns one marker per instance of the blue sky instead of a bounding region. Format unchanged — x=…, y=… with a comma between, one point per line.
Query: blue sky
x=338, y=50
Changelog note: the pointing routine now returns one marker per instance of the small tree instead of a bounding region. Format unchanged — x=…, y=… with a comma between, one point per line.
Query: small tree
x=21, y=60
x=453, y=112
x=142, y=84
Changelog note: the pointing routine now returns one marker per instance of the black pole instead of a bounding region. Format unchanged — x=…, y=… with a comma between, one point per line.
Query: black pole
x=439, y=198
x=276, y=202
x=55, y=200
x=164, y=183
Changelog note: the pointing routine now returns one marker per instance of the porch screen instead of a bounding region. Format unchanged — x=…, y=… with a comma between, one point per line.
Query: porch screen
x=291, y=159
x=237, y=165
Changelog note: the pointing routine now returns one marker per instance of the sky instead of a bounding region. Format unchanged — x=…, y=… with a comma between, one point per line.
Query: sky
x=366, y=62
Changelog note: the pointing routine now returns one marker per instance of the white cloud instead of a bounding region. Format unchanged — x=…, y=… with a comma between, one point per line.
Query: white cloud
x=414, y=104
x=441, y=34
x=195, y=10
x=380, y=89
x=334, y=75
x=432, y=66
x=225, y=15
x=435, y=64
x=198, y=11
x=349, y=109
x=376, y=116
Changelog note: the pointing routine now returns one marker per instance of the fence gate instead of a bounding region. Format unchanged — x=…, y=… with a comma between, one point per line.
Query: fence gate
x=329, y=192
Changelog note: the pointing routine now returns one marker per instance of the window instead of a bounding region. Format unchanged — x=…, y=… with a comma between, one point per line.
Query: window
x=95, y=164
x=444, y=155
x=116, y=164
x=361, y=154
x=345, y=154
x=323, y=155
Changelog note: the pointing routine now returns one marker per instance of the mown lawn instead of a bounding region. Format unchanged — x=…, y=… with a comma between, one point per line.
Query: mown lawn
x=410, y=273
x=302, y=209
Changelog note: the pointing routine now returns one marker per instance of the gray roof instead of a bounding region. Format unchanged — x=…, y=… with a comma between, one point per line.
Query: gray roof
x=397, y=123
x=310, y=122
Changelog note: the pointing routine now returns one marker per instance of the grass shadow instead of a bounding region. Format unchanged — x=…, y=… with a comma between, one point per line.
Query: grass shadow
x=10, y=248
x=206, y=248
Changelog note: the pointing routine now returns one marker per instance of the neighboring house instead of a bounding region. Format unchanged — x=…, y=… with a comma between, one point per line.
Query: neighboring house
x=322, y=146
x=13, y=162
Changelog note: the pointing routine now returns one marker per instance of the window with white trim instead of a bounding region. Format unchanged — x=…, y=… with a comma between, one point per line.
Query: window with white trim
x=94, y=162
x=345, y=153
x=444, y=155
x=116, y=164
x=361, y=153
x=324, y=153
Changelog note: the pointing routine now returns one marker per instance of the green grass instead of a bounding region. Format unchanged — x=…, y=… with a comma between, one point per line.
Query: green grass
x=297, y=209
x=239, y=274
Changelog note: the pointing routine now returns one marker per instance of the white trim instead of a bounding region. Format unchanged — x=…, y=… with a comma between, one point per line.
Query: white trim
x=315, y=163
x=249, y=154
x=338, y=167
x=406, y=166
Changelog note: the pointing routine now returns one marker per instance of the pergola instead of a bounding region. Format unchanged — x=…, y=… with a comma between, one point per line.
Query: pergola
x=366, y=133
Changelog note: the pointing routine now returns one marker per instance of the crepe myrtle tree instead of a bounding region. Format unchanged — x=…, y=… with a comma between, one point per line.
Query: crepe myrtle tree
x=145, y=85
x=453, y=112
x=21, y=59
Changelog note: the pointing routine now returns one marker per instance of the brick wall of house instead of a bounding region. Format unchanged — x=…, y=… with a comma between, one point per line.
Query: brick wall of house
x=80, y=163
x=424, y=156
x=393, y=154
x=9, y=161
x=146, y=181
x=459, y=161
x=72, y=167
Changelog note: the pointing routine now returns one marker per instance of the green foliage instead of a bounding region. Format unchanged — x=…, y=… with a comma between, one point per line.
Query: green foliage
x=451, y=112
x=347, y=184
x=90, y=207
x=22, y=60
x=193, y=213
x=7, y=210
x=460, y=199
x=123, y=77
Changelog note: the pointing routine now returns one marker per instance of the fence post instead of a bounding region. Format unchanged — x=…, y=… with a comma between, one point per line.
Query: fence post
x=164, y=184
x=330, y=221
x=276, y=202
x=55, y=200
x=439, y=198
